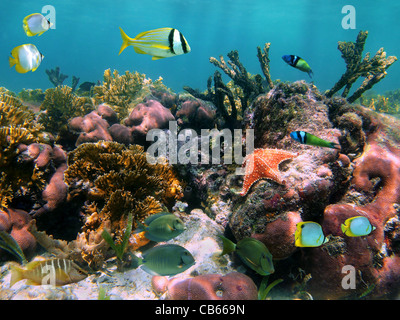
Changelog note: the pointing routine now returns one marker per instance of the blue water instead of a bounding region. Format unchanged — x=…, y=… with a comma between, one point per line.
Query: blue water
x=86, y=39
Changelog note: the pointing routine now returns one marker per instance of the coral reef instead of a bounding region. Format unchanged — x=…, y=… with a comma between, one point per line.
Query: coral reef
x=16, y=223
x=144, y=117
x=60, y=105
x=117, y=180
x=232, y=286
x=372, y=69
x=124, y=92
x=94, y=126
x=232, y=100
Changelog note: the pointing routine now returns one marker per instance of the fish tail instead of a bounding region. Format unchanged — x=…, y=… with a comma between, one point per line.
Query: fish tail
x=12, y=61
x=228, y=246
x=343, y=228
x=136, y=261
x=17, y=274
x=310, y=73
x=125, y=40
x=335, y=145
x=140, y=227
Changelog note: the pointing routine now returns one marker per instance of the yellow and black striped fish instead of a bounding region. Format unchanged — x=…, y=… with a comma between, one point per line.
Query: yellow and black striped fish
x=57, y=272
x=159, y=43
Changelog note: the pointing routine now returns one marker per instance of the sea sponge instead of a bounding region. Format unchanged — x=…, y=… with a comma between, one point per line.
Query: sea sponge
x=117, y=180
x=232, y=286
x=146, y=116
x=16, y=222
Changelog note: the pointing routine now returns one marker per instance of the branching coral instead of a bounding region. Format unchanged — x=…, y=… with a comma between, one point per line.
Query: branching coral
x=233, y=99
x=56, y=77
x=60, y=105
x=373, y=70
x=118, y=181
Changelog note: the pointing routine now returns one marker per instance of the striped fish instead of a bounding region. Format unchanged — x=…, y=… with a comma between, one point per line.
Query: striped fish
x=298, y=63
x=56, y=272
x=159, y=43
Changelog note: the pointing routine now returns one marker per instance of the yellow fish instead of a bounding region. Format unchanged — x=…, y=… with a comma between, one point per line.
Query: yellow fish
x=357, y=227
x=57, y=272
x=35, y=24
x=309, y=234
x=25, y=58
x=159, y=43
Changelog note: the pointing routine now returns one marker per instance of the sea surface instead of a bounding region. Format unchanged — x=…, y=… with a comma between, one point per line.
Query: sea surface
x=86, y=38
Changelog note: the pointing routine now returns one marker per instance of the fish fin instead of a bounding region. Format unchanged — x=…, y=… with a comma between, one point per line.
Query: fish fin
x=310, y=73
x=17, y=273
x=157, y=58
x=152, y=33
x=12, y=61
x=136, y=261
x=140, y=227
x=228, y=246
x=335, y=145
x=125, y=40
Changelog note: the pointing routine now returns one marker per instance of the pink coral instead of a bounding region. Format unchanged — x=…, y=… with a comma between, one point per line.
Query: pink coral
x=16, y=223
x=91, y=128
x=146, y=116
x=233, y=286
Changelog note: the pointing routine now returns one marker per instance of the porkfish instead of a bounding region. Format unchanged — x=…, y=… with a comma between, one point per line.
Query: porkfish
x=158, y=43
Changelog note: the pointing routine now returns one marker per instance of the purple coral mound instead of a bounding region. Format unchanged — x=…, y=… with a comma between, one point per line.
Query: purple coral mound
x=232, y=286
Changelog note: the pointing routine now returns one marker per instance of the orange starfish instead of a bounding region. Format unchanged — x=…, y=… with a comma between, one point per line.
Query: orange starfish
x=264, y=164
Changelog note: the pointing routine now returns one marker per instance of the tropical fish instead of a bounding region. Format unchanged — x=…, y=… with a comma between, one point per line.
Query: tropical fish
x=298, y=63
x=309, y=234
x=35, y=24
x=159, y=43
x=308, y=138
x=252, y=252
x=161, y=227
x=165, y=260
x=25, y=58
x=357, y=227
x=40, y=272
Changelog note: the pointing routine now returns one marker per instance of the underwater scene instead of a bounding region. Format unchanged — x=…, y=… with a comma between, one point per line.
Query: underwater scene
x=200, y=150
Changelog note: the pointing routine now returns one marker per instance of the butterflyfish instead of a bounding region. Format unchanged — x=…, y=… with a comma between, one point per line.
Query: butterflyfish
x=159, y=43
x=43, y=272
x=308, y=138
x=165, y=260
x=298, y=63
x=357, y=227
x=25, y=58
x=252, y=252
x=161, y=227
x=309, y=234
x=35, y=24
